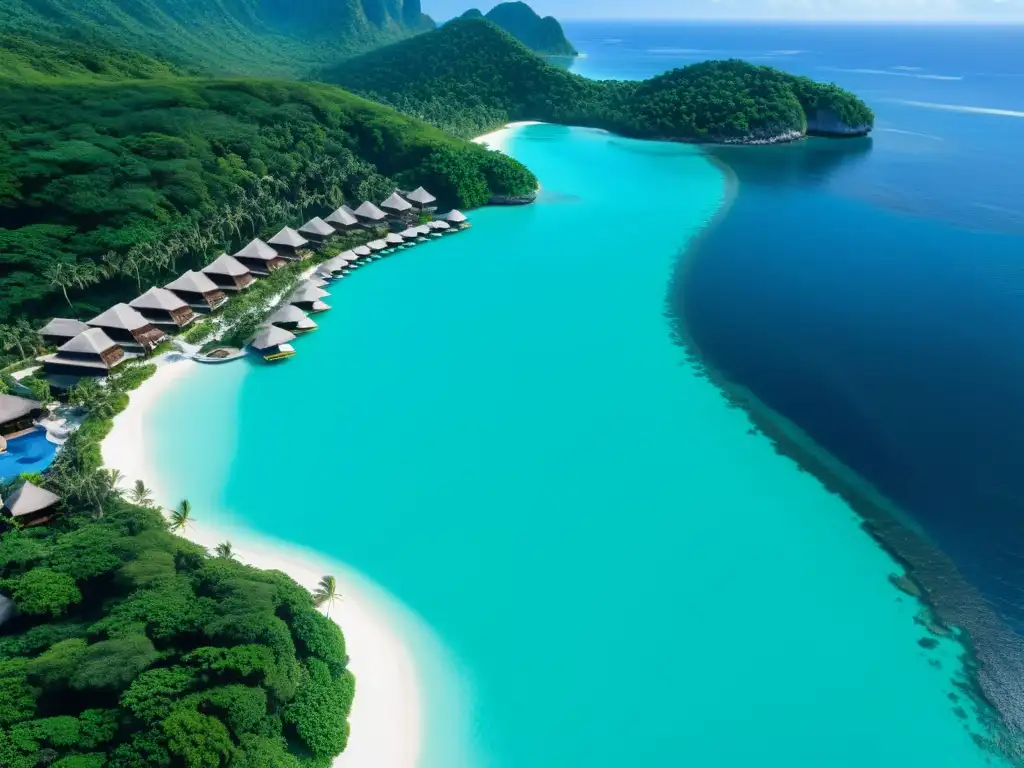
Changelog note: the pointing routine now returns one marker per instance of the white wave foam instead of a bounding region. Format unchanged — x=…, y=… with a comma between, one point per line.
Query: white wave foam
x=911, y=133
x=786, y=53
x=908, y=69
x=962, y=108
x=894, y=72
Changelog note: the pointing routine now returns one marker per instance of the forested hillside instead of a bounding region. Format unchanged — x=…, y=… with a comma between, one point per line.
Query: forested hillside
x=287, y=38
x=106, y=188
x=470, y=76
x=541, y=35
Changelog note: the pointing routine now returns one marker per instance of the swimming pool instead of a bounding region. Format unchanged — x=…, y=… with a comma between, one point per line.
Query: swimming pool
x=31, y=452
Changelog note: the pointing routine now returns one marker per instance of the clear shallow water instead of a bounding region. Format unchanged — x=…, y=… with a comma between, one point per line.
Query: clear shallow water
x=499, y=430
x=871, y=291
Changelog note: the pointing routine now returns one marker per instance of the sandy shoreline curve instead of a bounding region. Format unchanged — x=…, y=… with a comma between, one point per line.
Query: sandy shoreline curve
x=386, y=721
x=497, y=139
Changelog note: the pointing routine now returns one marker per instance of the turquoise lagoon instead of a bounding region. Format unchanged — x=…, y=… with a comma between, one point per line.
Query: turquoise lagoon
x=499, y=429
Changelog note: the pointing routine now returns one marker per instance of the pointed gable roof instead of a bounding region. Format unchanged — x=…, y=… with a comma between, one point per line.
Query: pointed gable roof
x=370, y=211
x=195, y=282
x=288, y=237
x=454, y=217
x=343, y=217
x=226, y=265
x=120, y=316
x=307, y=292
x=396, y=203
x=361, y=250
x=420, y=196
x=92, y=341
x=29, y=498
x=271, y=336
x=317, y=226
x=409, y=233
x=257, y=249
x=158, y=298
x=63, y=326
x=289, y=313
x=394, y=239
x=13, y=407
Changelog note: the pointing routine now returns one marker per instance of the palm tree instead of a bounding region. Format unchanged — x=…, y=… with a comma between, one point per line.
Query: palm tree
x=326, y=593
x=225, y=550
x=140, y=495
x=181, y=518
x=28, y=335
x=60, y=274
x=10, y=339
x=84, y=275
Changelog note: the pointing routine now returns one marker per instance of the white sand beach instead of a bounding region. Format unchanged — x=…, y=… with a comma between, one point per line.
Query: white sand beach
x=386, y=722
x=496, y=139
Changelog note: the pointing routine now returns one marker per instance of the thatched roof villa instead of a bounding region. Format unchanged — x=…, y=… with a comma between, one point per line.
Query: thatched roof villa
x=421, y=199
x=341, y=219
x=293, y=319
x=199, y=291
x=377, y=245
x=18, y=414
x=410, y=234
x=128, y=327
x=393, y=238
x=361, y=251
x=370, y=215
x=228, y=273
x=287, y=243
x=396, y=205
x=324, y=273
x=90, y=353
x=308, y=297
x=423, y=230
x=30, y=505
x=259, y=258
x=316, y=230
x=272, y=343
x=340, y=263
x=164, y=308
x=455, y=218
x=61, y=330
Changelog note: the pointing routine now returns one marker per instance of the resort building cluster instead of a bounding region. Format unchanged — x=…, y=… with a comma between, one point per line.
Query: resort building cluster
x=95, y=348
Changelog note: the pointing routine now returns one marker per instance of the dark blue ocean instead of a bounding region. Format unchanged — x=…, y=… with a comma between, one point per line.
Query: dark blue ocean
x=872, y=291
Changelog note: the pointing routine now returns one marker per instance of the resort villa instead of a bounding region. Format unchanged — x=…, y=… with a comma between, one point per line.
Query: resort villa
x=259, y=258
x=421, y=200
x=30, y=505
x=393, y=238
x=307, y=297
x=287, y=243
x=342, y=219
x=18, y=415
x=293, y=319
x=316, y=230
x=164, y=308
x=370, y=215
x=61, y=330
x=456, y=219
x=272, y=343
x=198, y=291
x=361, y=251
x=128, y=328
x=339, y=264
x=397, y=206
x=90, y=353
x=228, y=273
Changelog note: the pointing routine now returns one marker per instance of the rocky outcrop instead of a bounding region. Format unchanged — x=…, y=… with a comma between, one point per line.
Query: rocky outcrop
x=512, y=199
x=825, y=122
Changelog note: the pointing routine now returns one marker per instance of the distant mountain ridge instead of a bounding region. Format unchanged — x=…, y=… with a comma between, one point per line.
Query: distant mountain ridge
x=250, y=37
x=541, y=35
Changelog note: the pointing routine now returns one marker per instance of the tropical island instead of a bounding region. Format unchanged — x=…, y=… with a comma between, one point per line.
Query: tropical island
x=469, y=77
x=139, y=140
x=543, y=36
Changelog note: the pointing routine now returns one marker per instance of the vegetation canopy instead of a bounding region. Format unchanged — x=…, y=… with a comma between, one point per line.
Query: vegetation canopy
x=541, y=35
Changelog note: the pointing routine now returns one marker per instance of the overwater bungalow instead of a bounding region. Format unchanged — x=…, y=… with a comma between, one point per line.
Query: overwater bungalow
x=410, y=235
x=308, y=297
x=342, y=219
x=90, y=353
x=293, y=319
x=164, y=308
x=436, y=228
x=376, y=246
x=370, y=215
x=424, y=230
x=316, y=230
x=272, y=343
x=18, y=415
x=199, y=291
x=422, y=200
x=259, y=258
x=128, y=328
x=30, y=505
x=287, y=243
x=337, y=266
x=396, y=205
x=228, y=273
x=361, y=251
x=394, y=239
x=456, y=219
x=61, y=330
x=324, y=272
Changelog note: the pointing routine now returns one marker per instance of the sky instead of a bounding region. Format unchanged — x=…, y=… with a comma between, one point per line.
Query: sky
x=925, y=11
